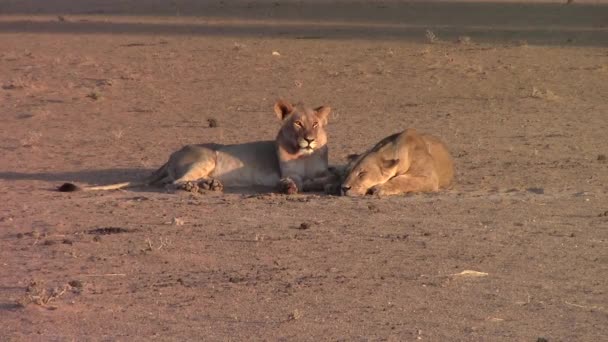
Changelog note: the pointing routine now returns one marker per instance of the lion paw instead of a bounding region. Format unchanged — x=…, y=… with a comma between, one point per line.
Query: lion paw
x=211, y=185
x=201, y=186
x=288, y=186
x=190, y=187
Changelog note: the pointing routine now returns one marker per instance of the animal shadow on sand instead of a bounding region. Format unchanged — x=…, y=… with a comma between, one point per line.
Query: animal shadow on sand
x=110, y=176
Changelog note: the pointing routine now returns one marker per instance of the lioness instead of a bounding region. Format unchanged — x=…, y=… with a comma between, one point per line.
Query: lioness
x=296, y=160
x=401, y=163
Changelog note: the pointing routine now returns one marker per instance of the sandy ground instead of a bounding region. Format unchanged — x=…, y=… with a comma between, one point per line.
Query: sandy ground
x=102, y=91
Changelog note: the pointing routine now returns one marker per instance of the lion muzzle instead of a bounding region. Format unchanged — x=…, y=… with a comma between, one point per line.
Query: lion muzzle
x=307, y=145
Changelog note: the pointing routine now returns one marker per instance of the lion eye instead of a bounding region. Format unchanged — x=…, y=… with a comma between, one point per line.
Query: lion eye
x=298, y=124
x=315, y=124
x=362, y=173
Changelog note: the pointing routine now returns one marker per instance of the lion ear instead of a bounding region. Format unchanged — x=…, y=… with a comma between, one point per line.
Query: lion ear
x=389, y=163
x=282, y=108
x=322, y=113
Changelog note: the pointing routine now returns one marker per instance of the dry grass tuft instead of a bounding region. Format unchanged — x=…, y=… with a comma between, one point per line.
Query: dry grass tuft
x=465, y=40
x=431, y=37
x=543, y=95
x=37, y=293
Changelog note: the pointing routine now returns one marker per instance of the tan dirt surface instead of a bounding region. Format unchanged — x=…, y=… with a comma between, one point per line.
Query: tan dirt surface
x=96, y=92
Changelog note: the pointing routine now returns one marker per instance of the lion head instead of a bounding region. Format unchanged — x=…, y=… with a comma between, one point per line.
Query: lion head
x=303, y=129
x=371, y=168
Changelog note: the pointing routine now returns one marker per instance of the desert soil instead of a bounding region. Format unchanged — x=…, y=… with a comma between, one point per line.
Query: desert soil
x=96, y=92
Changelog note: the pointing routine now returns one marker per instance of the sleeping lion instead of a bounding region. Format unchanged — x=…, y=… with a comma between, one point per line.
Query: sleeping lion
x=401, y=163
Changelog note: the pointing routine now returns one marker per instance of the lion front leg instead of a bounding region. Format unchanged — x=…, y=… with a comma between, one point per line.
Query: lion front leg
x=404, y=184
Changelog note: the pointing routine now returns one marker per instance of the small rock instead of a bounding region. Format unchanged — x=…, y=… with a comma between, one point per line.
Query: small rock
x=94, y=96
x=373, y=208
x=177, y=221
x=108, y=231
x=304, y=226
x=75, y=283
x=538, y=191
x=68, y=187
x=212, y=123
x=602, y=157
x=295, y=315
x=275, y=53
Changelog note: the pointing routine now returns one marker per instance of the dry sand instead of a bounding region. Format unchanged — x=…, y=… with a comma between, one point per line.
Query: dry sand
x=102, y=91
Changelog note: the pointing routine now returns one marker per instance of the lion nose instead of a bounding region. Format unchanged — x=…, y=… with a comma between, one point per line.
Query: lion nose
x=344, y=189
x=309, y=140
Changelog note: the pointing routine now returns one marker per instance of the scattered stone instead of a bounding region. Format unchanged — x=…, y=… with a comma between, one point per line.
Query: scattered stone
x=75, y=283
x=212, y=123
x=538, y=191
x=236, y=279
x=373, y=208
x=108, y=231
x=304, y=226
x=94, y=96
x=275, y=53
x=601, y=157
x=177, y=221
x=68, y=187
x=295, y=315
x=67, y=242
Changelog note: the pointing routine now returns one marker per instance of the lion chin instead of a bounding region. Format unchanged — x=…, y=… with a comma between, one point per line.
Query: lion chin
x=307, y=150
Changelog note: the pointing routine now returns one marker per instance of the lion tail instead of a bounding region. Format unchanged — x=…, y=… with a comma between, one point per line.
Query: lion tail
x=156, y=177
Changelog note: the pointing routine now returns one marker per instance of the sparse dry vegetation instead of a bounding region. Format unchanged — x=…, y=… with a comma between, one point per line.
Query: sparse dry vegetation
x=514, y=251
x=37, y=293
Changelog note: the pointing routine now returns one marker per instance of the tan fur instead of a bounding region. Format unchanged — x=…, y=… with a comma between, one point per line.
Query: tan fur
x=298, y=156
x=401, y=163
